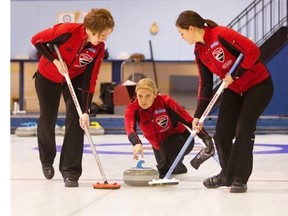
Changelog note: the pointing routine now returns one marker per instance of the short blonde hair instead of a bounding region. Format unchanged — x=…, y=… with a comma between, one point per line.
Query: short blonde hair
x=146, y=83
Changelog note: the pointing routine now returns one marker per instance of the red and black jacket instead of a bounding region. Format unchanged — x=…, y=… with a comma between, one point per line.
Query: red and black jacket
x=157, y=122
x=222, y=47
x=80, y=56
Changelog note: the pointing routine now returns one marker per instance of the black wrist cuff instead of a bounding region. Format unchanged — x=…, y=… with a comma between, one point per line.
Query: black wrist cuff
x=134, y=139
x=237, y=73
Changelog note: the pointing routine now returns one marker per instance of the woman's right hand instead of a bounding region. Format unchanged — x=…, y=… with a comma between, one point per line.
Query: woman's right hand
x=138, y=148
x=62, y=68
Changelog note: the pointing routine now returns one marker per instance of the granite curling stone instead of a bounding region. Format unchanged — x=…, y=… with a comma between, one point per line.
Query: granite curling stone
x=26, y=129
x=139, y=176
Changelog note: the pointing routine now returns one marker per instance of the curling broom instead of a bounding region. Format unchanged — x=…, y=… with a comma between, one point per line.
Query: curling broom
x=97, y=185
x=167, y=180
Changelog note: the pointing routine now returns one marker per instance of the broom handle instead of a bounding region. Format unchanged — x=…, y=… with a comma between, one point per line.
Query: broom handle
x=153, y=63
x=201, y=120
x=76, y=103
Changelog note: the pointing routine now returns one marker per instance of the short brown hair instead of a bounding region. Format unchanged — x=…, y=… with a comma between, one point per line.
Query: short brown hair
x=99, y=20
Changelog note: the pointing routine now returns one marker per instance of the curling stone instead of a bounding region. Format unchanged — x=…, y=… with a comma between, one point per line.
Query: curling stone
x=26, y=129
x=96, y=129
x=57, y=130
x=30, y=129
x=62, y=130
x=139, y=176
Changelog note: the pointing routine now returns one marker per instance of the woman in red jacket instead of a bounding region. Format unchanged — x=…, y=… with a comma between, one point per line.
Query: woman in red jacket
x=82, y=46
x=248, y=92
x=161, y=120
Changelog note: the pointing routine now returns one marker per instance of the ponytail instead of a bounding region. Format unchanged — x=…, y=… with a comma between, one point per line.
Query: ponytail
x=191, y=18
x=210, y=23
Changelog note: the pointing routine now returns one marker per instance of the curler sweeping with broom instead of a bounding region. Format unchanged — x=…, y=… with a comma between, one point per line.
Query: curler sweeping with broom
x=161, y=120
x=248, y=91
x=82, y=47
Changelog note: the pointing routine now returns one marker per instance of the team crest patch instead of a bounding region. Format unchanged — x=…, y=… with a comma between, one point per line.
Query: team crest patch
x=162, y=120
x=84, y=59
x=218, y=54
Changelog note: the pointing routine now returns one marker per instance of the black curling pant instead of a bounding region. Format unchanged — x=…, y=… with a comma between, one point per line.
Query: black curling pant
x=49, y=94
x=169, y=150
x=235, y=128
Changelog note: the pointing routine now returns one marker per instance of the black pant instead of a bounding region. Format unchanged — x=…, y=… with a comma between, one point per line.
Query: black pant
x=49, y=94
x=169, y=150
x=236, y=124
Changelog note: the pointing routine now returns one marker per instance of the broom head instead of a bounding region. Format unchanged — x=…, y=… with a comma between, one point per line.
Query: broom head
x=164, y=181
x=105, y=185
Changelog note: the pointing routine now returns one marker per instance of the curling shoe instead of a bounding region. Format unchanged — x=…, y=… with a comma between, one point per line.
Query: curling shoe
x=48, y=171
x=238, y=187
x=180, y=169
x=161, y=175
x=215, y=181
x=71, y=182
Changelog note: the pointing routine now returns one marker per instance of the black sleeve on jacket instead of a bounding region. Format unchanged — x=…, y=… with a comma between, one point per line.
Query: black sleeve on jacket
x=86, y=95
x=205, y=88
x=175, y=118
x=234, y=51
x=86, y=101
x=46, y=48
x=133, y=137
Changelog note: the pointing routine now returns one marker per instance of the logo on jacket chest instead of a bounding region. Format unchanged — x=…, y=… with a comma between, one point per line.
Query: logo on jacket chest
x=218, y=54
x=162, y=121
x=84, y=59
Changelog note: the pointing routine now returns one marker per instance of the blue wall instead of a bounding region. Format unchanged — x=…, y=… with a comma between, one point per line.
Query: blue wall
x=133, y=21
x=278, y=67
